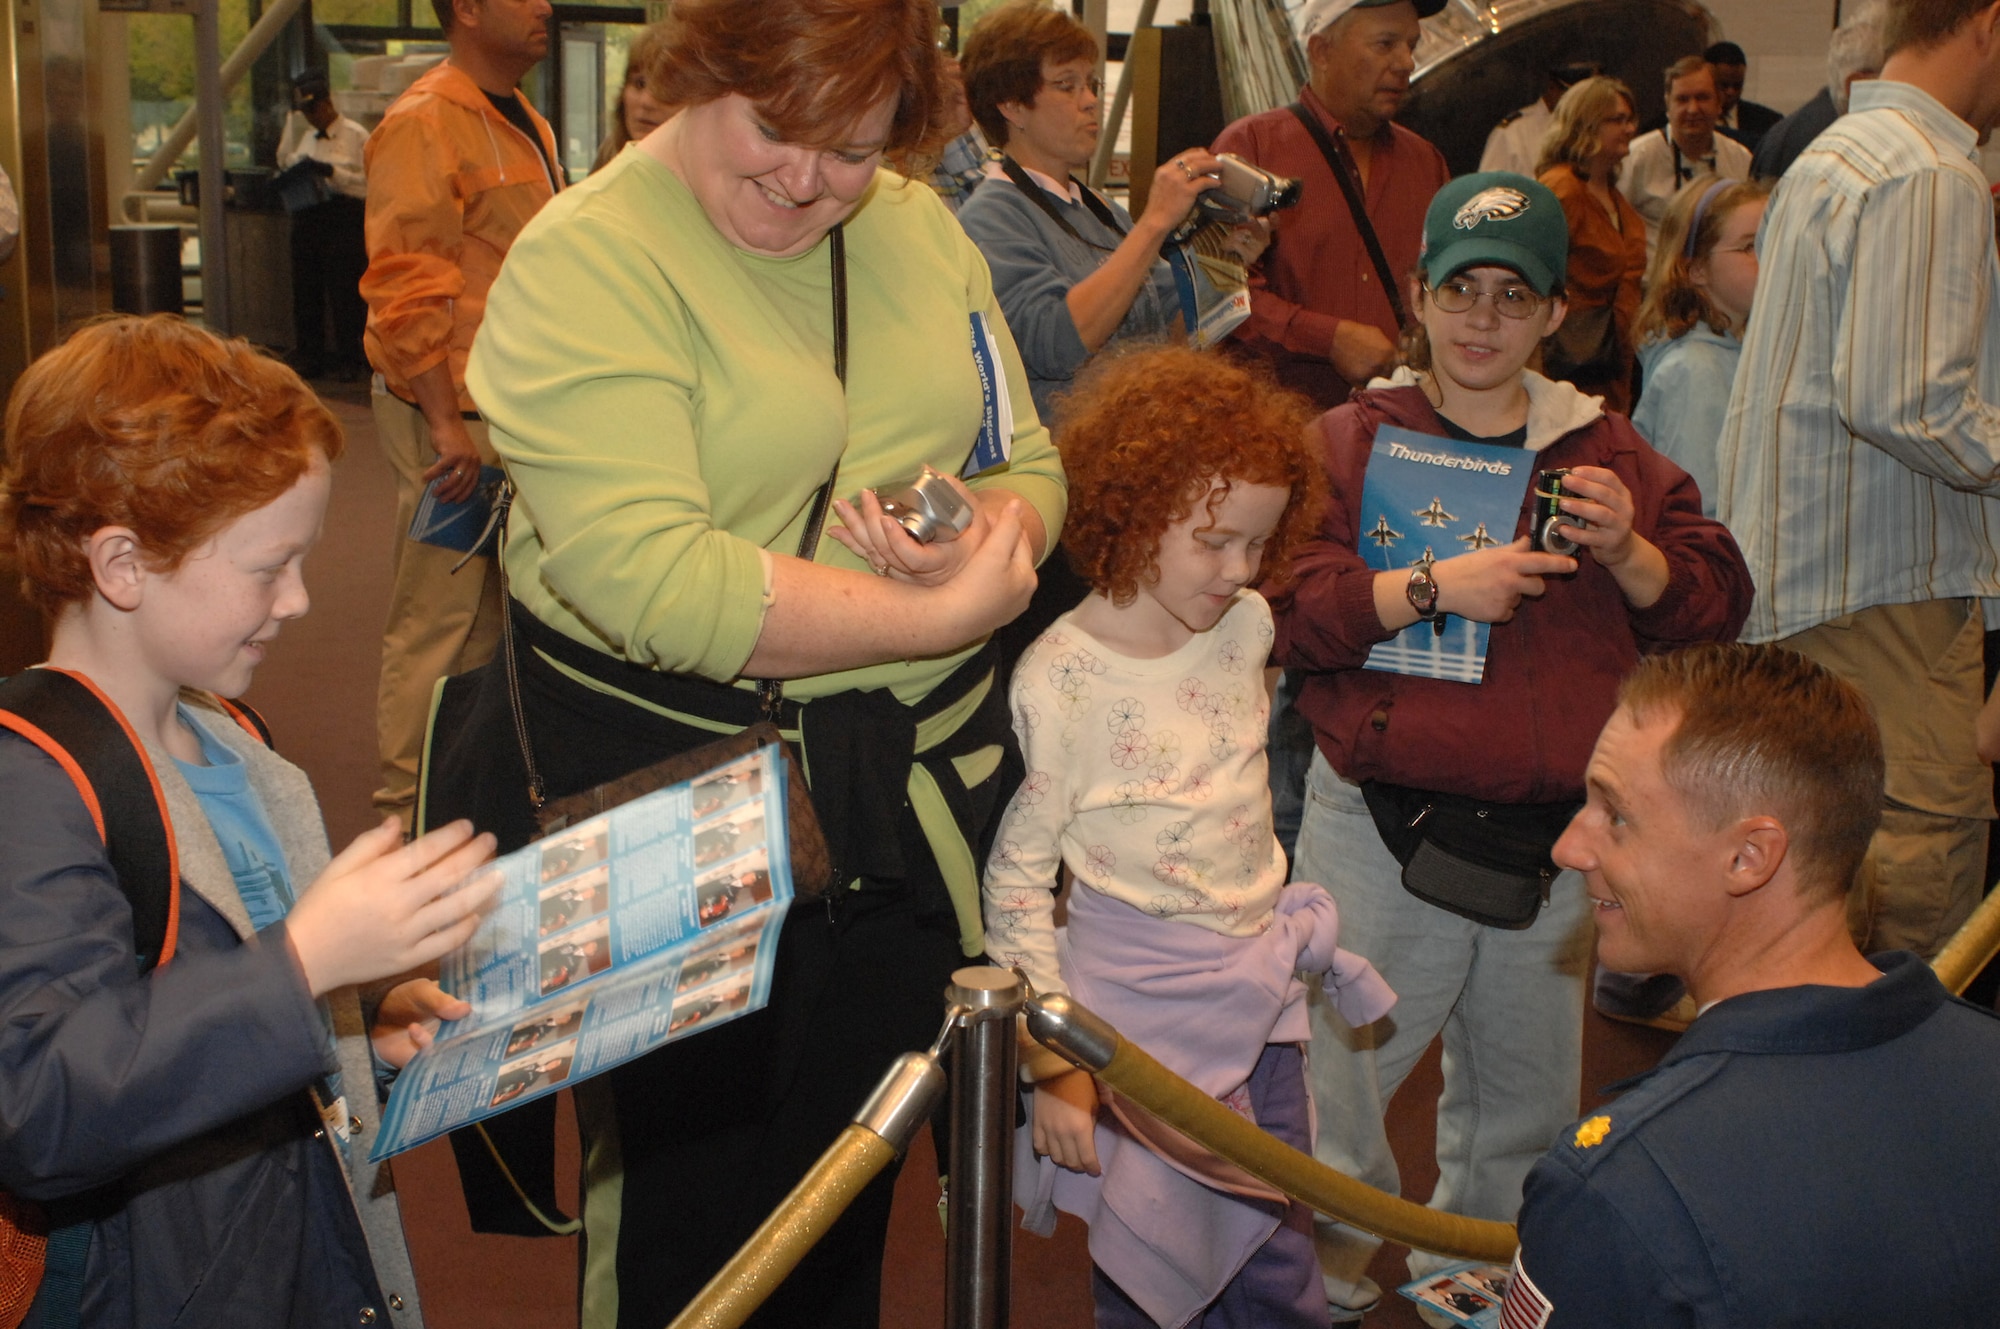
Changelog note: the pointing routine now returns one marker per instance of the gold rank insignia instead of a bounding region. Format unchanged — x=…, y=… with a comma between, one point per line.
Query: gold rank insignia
x=1593, y=1132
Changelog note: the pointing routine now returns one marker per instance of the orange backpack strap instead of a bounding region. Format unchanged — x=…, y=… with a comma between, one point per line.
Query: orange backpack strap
x=66, y=716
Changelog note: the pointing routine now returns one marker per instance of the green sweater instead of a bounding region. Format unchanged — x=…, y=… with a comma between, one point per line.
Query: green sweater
x=666, y=403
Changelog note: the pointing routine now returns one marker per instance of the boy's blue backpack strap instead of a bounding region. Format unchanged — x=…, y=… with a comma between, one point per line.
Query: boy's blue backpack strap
x=66, y=716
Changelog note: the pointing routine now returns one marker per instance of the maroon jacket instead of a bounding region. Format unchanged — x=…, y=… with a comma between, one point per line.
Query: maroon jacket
x=1525, y=734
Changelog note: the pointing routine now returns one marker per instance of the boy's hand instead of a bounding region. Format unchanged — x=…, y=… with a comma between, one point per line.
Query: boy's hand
x=1065, y=1121
x=408, y=1019
x=383, y=907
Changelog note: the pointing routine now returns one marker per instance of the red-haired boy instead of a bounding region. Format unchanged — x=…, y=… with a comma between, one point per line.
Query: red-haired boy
x=160, y=490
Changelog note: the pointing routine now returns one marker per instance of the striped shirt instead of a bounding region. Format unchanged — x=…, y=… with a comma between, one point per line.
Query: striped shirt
x=1864, y=426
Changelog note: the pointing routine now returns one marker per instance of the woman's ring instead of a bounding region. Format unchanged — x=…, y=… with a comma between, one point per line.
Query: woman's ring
x=1185, y=170
x=881, y=569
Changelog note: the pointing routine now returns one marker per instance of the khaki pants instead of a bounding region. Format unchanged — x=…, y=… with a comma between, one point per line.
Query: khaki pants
x=1920, y=666
x=440, y=623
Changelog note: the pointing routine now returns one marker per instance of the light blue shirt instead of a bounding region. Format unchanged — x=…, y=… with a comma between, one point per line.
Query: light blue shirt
x=1863, y=434
x=1687, y=381
x=251, y=849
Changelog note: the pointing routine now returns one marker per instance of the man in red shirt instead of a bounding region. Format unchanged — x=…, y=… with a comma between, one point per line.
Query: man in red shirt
x=1317, y=308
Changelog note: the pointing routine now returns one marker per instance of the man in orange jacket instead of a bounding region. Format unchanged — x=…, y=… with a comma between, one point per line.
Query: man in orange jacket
x=458, y=166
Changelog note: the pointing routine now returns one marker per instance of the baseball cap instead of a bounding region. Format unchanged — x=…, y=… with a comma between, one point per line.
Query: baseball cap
x=1320, y=14
x=1497, y=219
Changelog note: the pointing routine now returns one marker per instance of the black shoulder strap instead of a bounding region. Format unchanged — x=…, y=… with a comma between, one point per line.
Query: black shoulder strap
x=67, y=718
x=1040, y=198
x=248, y=717
x=1341, y=162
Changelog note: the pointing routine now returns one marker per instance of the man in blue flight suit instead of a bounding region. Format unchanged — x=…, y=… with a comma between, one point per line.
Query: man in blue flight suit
x=1818, y=1148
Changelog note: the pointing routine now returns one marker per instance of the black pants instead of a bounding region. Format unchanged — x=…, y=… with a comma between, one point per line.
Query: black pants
x=713, y=1131
x=329, y=255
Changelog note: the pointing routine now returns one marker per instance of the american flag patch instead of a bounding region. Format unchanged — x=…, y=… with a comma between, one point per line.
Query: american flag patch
x=1525, y=1307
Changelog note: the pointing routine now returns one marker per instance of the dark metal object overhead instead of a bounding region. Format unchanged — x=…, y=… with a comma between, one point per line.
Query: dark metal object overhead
x=1481, y=60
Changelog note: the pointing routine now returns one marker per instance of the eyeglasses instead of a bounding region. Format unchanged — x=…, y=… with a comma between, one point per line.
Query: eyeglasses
x=1456, y=296
x=1073, y=89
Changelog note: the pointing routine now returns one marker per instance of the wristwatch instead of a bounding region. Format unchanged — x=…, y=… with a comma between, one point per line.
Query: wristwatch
x=1423, y=587
x=1423, y=591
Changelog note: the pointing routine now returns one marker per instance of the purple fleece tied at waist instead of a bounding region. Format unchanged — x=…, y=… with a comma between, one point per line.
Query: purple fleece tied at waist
x=1205, y=1006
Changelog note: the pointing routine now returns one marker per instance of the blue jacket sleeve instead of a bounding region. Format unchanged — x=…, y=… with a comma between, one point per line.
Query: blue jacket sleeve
x=1584, y=1258
x=101, y=1068
x=1029, y=278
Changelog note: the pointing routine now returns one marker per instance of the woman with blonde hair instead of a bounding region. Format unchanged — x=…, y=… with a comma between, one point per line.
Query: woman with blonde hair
x=1587, y=140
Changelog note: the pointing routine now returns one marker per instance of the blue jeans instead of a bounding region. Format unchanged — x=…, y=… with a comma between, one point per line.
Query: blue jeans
x=1510, y=1006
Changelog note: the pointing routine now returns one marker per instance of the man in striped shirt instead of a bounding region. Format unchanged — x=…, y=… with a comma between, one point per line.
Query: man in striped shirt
x=1861, y=452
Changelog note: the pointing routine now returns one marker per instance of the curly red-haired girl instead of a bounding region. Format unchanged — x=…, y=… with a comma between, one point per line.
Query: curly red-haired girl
x=1141, y=714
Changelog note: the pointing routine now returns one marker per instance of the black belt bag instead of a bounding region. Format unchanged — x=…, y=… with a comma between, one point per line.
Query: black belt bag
x=1488, y=862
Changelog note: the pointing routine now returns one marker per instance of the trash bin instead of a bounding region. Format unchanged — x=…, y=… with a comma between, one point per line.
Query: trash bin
x=146, y=269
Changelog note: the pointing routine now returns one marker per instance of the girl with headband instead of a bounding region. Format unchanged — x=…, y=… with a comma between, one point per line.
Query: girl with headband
x=1690, y=328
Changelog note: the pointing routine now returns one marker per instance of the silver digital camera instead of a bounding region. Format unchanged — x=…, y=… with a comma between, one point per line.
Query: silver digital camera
x=929, y=508
x=1246, y=191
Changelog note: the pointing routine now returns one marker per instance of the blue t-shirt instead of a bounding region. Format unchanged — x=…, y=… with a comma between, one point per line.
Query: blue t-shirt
x=257, y=862
x=236, y=815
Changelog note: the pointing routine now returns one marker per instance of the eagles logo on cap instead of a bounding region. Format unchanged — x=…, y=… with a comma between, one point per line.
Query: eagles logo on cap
x=1497, y=204
x=1499, y=219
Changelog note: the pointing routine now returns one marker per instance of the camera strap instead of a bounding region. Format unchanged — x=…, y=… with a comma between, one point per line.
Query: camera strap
x=1040, y=198
x=1348, y=175
x=771, y=691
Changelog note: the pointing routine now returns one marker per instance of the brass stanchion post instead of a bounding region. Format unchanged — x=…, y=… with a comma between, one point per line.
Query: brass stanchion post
x=980, y=1212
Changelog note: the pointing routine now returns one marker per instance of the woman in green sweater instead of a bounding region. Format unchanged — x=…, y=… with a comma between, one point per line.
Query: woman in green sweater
x=659, y=363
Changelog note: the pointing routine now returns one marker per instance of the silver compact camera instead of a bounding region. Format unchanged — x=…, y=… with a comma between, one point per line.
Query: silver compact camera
x=928, y=508
x=1246, y=191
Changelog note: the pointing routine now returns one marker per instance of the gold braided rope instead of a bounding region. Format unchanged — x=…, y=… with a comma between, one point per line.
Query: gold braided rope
x=777, y=1246
x=859, y=1155
x=1133, y=1073
x=1972, y=947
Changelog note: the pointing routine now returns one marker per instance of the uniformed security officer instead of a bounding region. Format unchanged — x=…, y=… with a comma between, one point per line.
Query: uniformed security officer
x=1817, y=1149
x=1516, y=142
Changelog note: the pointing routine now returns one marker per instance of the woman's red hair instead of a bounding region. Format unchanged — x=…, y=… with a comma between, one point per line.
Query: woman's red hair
x=811, y=67
x=1144, y=436
x=151, y=424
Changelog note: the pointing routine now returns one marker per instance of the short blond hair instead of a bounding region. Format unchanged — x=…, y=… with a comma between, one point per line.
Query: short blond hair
x=1575, y=131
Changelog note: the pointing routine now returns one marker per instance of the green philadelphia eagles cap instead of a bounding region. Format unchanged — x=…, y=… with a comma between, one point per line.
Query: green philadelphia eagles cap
x=1498, y=219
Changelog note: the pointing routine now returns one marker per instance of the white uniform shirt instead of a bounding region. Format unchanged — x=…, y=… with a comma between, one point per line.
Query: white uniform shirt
x=340, y=147
x=1656, y=170
x=1516, y=142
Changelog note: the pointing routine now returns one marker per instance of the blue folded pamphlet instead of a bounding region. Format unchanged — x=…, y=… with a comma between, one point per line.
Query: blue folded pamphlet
x=467, y=526
x=1451, y=498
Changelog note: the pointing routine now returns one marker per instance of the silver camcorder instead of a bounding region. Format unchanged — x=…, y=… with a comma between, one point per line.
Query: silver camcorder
x=1246, y=191
x=928, y=508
